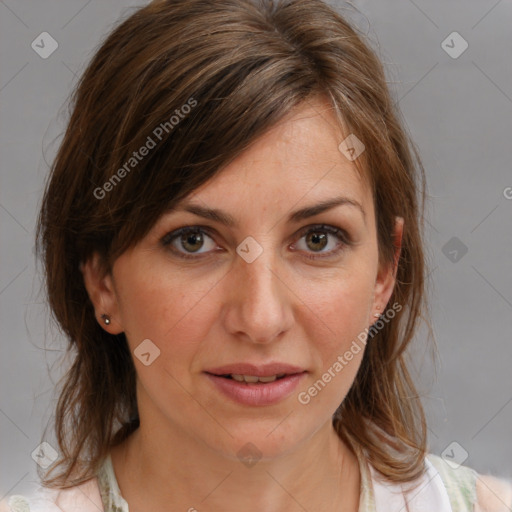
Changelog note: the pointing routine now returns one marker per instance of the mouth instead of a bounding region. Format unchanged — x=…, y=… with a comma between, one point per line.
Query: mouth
x=251, y=372
x=253, y=390
x=252, y=379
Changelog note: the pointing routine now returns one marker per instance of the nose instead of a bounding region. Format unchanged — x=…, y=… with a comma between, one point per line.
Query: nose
x=259, y=304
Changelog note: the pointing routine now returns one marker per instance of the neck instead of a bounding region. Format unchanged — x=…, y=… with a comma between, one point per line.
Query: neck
x=154, y=472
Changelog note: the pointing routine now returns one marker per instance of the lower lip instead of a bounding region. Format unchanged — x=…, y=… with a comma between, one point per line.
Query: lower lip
x=258, y=393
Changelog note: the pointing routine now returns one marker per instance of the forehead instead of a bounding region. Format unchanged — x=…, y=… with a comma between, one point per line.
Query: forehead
x=296, y=162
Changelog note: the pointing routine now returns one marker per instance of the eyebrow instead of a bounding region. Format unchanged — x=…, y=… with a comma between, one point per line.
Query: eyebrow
x=225, y=218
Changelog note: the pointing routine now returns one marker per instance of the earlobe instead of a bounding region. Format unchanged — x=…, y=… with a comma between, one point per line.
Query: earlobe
x=100, y=288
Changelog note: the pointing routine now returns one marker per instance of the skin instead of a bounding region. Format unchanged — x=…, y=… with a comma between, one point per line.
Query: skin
x=289, y=308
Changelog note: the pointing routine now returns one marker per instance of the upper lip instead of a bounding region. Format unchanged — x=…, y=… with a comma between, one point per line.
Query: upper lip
x=263, y=370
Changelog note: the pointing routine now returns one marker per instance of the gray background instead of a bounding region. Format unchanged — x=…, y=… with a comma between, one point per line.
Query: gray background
x=458, y=111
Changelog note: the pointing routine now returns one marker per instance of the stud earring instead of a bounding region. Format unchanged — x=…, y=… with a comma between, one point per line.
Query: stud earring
x=376, y=315
x=106, y=319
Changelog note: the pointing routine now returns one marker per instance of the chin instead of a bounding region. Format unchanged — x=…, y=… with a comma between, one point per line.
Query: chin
x=260, y=440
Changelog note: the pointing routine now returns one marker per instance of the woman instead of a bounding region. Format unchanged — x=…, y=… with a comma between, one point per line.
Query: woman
x=231, y=235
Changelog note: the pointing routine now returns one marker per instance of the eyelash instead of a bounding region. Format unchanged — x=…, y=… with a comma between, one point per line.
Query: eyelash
x=339, y=233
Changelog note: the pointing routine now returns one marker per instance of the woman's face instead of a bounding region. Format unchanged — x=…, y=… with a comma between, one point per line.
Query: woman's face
x=273, y=287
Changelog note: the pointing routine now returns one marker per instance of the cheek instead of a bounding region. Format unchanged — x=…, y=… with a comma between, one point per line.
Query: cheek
x=336, y=320
x=341, y=306
x=176, y=314
x=173, y=311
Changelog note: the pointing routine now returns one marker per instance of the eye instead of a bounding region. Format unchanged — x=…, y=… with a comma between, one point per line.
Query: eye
x=317, y=239
x=189, y=240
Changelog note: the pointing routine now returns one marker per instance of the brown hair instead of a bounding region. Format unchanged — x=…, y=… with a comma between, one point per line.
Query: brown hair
x=240, y=66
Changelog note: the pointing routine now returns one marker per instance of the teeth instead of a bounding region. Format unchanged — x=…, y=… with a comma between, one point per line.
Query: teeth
x=253, y=378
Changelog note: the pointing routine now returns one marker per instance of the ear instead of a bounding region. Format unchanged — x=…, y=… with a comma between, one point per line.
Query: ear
x=100, y=287
x=386, y=277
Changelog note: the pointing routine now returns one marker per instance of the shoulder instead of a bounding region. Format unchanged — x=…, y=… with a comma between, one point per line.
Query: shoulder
x=494, y=494
x=81, y=498
x=470, y=491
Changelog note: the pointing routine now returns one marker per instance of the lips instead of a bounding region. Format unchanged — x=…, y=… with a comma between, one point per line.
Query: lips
x=256, y=393
x=237, y=382
x=265, y=370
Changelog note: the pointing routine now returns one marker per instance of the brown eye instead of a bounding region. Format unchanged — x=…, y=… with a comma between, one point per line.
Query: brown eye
x=317, y=238
x=189, y=240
